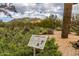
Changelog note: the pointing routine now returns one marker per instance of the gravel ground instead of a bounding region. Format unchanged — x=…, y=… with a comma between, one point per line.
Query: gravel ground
x=64, y=44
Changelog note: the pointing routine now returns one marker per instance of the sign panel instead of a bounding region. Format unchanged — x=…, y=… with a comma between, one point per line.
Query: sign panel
x=38, y=41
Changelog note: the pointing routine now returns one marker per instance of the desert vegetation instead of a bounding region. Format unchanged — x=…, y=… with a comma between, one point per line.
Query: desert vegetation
x=15, y=35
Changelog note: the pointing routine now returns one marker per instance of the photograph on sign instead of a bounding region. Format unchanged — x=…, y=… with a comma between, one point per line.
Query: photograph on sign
x=38, y=41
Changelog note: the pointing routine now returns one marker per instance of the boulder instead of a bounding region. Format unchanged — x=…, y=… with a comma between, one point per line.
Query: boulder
x=50, y=31
x=76, y=44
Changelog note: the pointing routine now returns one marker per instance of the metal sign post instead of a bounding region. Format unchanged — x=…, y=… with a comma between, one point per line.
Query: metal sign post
x=34, y=51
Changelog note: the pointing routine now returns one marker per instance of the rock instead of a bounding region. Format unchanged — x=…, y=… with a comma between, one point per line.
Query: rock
x=76, y=44
x=50, y=31
x=26, y=29
x=44, y=33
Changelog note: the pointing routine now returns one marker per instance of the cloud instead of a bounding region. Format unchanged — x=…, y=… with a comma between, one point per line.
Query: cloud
x=44, y=9
x=40, y=9
x=75, y=9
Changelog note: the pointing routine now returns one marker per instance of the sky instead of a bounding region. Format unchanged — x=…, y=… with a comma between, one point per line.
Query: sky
x=40, y=10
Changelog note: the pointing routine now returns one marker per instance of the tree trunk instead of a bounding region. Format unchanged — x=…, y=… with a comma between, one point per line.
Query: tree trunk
x=66, y=20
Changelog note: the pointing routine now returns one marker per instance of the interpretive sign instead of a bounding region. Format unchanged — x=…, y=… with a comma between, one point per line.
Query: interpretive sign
x=38, y=41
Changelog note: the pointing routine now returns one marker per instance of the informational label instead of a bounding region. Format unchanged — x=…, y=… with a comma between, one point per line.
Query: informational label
x=38, y=41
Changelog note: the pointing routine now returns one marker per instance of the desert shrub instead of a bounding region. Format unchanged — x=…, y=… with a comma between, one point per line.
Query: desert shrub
x=50, y=49
x=49, y=23
x=15, y=35
x=75, y=24
x=58, y=29
x=2, y=24
x=75, y=28
x=14, y=43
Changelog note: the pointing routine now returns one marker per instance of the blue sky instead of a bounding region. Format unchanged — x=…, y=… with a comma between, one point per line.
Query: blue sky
x=40, y=10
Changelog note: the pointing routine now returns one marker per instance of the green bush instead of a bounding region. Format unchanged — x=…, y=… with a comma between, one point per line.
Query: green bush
x=77, y=30
x=51, y=49
x=75, y=24
x=47, y=23
x=15, y=35
x=58, y=29
x=14, y=43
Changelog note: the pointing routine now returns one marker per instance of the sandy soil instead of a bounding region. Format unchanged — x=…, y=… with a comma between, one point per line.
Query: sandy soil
x=64, y=44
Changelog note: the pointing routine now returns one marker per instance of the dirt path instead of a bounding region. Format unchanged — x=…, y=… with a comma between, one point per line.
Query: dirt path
x=64, y=44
